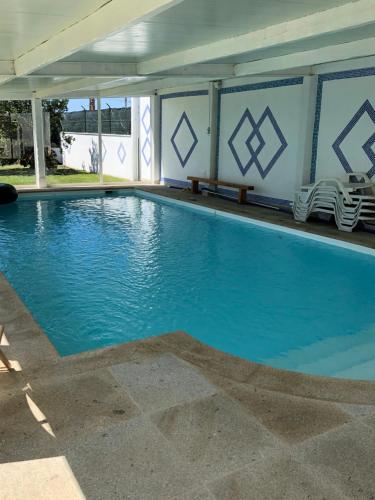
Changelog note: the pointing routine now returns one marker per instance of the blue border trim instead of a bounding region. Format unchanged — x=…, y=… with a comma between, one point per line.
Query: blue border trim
x=272, y=84
x=327, y=77
x=173, y=95
x=285, y=82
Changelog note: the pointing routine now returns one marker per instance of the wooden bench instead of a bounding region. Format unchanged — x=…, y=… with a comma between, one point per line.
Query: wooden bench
x=242, y=188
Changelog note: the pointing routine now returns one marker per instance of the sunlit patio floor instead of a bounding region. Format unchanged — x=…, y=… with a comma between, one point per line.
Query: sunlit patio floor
x=171, y=418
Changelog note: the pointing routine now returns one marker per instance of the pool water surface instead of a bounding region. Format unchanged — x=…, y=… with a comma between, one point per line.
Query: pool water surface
x=102, y=270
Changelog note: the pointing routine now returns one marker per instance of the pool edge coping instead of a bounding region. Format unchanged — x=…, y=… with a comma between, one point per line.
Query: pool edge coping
x=355, y=247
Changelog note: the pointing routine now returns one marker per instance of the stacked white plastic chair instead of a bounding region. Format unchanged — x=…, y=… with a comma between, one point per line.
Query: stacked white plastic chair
x=349, y=200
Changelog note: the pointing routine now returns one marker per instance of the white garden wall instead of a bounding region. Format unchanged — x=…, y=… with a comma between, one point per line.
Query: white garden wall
x=117, y=154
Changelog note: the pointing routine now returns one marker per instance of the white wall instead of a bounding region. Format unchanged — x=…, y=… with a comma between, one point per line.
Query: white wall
x=145, y=139
x=309, y=112
x=270, y=113
x=193, y=145
x=346, y=108
x=117, y=154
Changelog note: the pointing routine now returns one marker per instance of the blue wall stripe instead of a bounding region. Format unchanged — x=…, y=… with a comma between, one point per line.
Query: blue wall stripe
x=285, y=82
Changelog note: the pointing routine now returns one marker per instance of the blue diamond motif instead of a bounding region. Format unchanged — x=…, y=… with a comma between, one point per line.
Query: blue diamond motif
x=146, y=151
x=121, y=153
x=367, y=146
x=146, y=119
x=255, y=133
x=267, y=114
x=256, y=142
x=185, y=159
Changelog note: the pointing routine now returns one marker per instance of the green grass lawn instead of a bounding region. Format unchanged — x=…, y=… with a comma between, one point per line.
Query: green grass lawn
x=21, y=176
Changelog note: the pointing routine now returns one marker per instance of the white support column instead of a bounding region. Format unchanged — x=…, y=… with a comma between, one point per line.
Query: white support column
x=155, y=139
x=307, y=118
x=100, y=141
x=213, y=104
x=38, y=137
x=135, y=118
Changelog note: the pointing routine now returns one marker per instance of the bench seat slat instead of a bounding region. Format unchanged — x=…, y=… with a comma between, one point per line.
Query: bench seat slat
x=218, y=182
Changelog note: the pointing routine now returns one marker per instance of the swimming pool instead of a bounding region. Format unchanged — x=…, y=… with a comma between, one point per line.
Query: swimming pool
x=102, y=270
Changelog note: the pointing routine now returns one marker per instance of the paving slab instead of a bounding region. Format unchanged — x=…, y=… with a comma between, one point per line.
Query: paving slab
x=345, y=456
x=277, y=477
x=357, y=410
x=82, y=403
x=129, y=461
x=200, y=494
x=214, y=434
x=291, y=418
x=162, y=382
x=23, y=433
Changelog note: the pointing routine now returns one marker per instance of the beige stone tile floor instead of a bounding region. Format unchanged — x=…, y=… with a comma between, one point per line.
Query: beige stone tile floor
x=170, y=418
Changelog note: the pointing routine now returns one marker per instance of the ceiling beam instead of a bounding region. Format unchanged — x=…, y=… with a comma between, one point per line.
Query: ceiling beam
x=218, y=71
x=60, y=89
x=332, y=53
x=111, y=18
x=121, y=70
x=7, y=71
x=6, y=68
x=88, y=69
x=150, y=87
x=348, y=16
x=7, y=95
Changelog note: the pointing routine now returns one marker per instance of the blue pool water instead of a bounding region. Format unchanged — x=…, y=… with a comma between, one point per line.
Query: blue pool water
x=97, y=271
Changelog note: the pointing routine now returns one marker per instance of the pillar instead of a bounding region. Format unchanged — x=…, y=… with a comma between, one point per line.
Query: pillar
x=38, y=139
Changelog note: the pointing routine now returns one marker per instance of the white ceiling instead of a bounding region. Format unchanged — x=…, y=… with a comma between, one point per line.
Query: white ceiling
x=27, y=23
x=34, y=34
x=197, y=22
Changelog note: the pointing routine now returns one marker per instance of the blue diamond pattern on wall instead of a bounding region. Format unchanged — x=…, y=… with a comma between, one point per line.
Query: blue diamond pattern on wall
x=146, y=151
x=146, y=122
x=184, y=156
x=121, y=153
x=104, y=151
x=256, y=142
x=367, y=147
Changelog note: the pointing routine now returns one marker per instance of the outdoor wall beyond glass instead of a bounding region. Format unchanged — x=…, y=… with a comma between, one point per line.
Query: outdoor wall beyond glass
x=16, y=142
x=79, y=140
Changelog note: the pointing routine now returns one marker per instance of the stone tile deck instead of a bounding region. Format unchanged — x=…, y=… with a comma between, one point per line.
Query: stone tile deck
x=169, y=418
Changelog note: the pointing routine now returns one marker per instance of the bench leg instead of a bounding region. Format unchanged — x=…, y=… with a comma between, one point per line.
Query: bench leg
x=195, y=187
x=242, y=195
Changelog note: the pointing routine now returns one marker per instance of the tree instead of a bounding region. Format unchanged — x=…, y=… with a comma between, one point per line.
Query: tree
x=9, y=128
x=55, y=107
